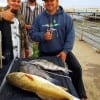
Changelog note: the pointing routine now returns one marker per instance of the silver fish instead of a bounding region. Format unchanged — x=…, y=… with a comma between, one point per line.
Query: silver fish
x=36, y=70
x=47, y=65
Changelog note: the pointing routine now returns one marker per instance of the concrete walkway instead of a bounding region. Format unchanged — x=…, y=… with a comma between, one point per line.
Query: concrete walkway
x=90, y=61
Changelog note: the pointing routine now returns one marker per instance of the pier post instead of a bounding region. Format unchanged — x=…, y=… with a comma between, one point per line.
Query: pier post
x=82, y=33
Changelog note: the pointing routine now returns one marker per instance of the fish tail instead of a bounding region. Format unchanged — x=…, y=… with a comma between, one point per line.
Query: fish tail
x=66, y=71
x=66, y=68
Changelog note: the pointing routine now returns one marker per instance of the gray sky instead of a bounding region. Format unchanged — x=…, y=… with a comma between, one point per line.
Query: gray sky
x=71, y=3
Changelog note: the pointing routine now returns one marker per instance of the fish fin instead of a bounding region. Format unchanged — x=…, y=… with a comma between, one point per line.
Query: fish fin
x=44, y=97
x=66, y=68
x=30, y=77
x=48, y=98
x=41, y=96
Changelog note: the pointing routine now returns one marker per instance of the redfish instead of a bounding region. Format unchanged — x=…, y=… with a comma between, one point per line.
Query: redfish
x=42, y=87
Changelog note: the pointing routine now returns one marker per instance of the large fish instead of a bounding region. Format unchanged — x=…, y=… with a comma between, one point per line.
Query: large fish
x=36, y=70
x=47, y=65
x=42, y=87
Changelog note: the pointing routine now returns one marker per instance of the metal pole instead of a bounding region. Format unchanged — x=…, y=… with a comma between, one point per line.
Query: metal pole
x=4, y=80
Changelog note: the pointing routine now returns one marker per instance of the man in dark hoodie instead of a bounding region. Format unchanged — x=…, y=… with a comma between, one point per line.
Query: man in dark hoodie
x=54, y=31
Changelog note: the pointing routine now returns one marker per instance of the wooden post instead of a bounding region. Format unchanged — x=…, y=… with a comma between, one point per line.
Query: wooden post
x=81, y=37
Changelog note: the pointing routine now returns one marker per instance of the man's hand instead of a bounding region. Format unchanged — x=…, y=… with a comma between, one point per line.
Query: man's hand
x=48, y=35
x=7, y=15
x=62, y=55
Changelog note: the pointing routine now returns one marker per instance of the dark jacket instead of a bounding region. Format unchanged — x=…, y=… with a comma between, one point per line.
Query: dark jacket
x=7, y=49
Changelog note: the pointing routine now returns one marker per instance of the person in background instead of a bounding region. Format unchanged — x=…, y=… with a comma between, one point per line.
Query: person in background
x=54, y=30
x=30, y=10
x=14, y=36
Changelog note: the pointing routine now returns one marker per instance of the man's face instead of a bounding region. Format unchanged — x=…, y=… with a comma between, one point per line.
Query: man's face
x=14, y=4
x=51, y=5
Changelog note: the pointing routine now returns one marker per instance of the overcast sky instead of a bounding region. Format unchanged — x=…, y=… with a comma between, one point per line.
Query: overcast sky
x=71, y=3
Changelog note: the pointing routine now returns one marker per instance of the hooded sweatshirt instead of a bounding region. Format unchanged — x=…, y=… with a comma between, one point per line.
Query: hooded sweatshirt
x=61, y=26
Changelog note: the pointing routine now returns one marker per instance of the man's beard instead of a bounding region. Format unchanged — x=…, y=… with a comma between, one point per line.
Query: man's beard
x=32, y=0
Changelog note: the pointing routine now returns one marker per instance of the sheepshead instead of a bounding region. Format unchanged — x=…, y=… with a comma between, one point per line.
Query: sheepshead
x=36, y=70
x=47, y=65
x=42, y=87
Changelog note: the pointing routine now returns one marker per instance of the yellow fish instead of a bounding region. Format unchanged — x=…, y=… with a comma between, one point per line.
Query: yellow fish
x=42, y=87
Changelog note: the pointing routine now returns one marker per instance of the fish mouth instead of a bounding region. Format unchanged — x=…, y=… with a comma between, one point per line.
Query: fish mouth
x=12, y=75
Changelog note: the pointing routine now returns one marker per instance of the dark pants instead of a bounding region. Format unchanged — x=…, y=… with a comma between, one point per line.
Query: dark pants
x=76, y=74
